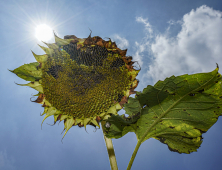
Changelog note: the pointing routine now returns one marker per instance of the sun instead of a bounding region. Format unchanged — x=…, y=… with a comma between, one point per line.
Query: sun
x=43, y=32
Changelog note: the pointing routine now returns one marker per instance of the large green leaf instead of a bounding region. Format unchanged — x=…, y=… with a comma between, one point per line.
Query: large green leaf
x=120, y=125
x=28, y=72
x=176, y=111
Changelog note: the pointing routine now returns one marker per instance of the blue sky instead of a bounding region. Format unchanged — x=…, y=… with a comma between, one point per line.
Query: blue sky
x=166, y=38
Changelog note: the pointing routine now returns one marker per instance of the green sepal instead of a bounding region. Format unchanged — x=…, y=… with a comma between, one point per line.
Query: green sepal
x=61, y=42
x=28, y=72
x=68, y=124
x=46, y=116
x=77, y=121
x=63, y=117
x=56, y=117
x=95, y=122
x=86, y=121
x=45, y=111
x=52, y=111
x=49, y=111
x=134, y=73
x=53, y=46
x=114, y=109
x=35, y=85
x=37, y=94
x=48, y=51
x=40, y=58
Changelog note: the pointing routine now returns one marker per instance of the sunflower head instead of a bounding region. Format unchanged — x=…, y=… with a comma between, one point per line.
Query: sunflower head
x=81, y=81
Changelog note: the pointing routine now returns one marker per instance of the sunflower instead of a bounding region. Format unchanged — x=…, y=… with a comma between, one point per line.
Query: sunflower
x=80, y=81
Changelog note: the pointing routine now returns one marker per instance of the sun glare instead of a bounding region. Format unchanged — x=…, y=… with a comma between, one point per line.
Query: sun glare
x=43, y=32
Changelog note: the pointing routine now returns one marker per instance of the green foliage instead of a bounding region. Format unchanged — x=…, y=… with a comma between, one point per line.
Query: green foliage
x=28, y=72
x=175, y=111
x=120, y=125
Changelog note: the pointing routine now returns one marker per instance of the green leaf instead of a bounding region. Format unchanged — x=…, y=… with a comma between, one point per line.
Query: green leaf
x=132, y=107
x=178, y=110
x=121, y=125
x=28, y=72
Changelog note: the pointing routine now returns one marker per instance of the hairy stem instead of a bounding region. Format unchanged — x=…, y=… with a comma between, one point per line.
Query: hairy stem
x=110, y=150
x=134, y=154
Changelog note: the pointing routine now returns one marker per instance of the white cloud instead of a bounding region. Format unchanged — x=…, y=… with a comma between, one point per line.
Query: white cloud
x=196, y=48
x=139, y=52
x=146, y=23
x=121, y=42
x=143, y=46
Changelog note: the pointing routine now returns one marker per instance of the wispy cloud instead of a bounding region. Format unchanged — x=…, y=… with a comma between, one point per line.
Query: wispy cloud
x=148, y=27
x=121, y=42
x=196, y=48
x=145, y=45
x=138, y=55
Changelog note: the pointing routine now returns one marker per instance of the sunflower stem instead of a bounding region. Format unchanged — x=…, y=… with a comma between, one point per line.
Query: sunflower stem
x=110, y=150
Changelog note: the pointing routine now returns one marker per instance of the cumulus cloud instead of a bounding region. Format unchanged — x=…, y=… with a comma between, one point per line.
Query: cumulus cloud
x=121, y=42
x=196, y=48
